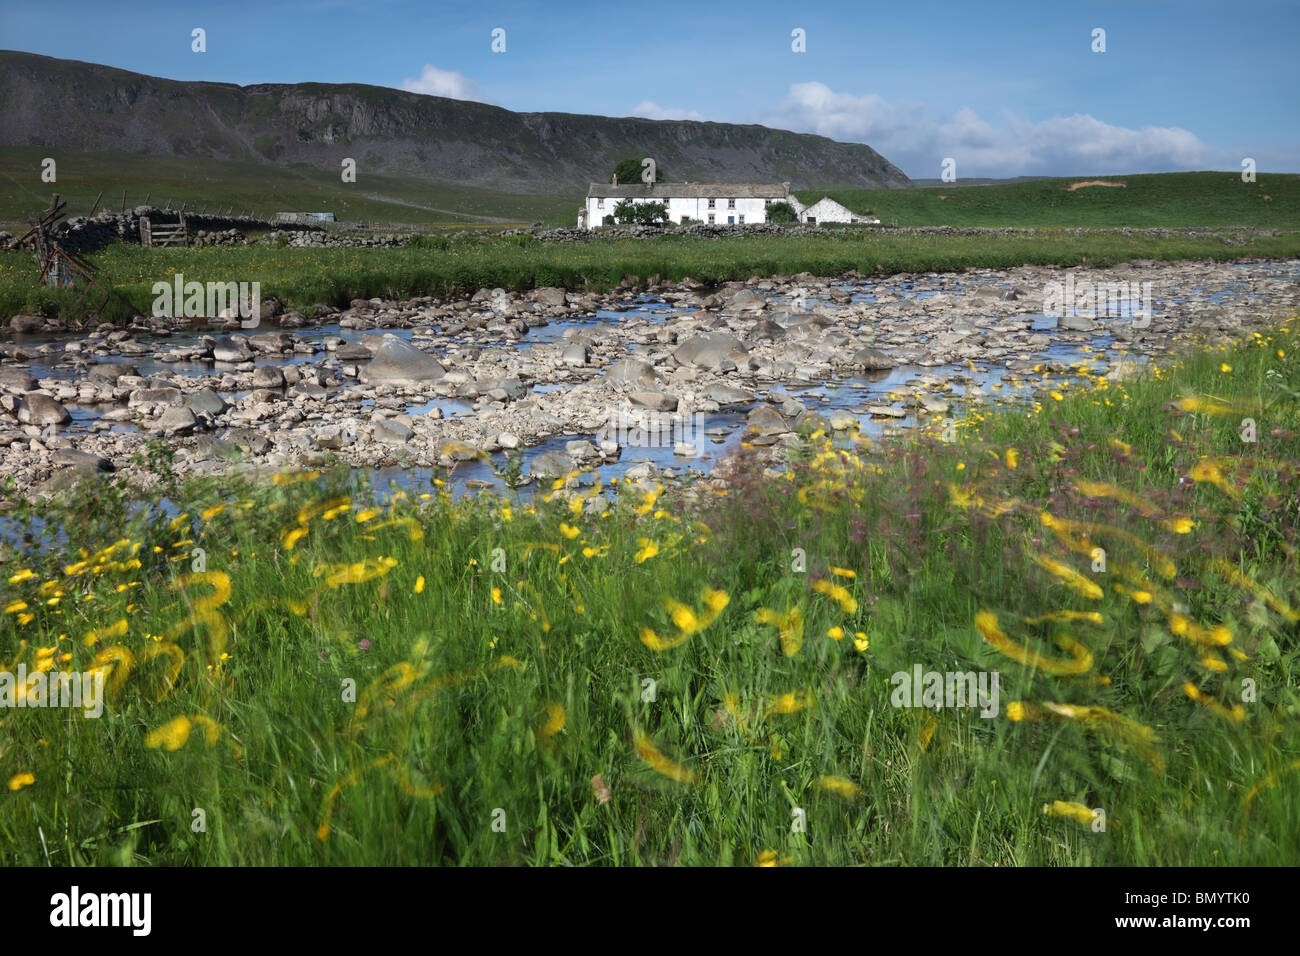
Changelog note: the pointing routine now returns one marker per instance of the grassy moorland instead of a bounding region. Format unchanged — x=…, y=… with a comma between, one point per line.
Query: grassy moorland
x=298, y=674
x=1160, y=199
x=466, y=262
x=259, y=187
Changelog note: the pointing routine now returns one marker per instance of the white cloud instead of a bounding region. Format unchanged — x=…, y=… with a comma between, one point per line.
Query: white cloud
x=914, y=139
x=435, y=82
x=648, y=109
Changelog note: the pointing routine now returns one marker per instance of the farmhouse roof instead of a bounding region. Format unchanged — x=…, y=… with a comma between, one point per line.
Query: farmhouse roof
x=690, y=191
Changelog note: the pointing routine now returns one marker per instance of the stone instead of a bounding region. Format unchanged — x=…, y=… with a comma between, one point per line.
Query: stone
x=708, y=350
x=206, y=402
x=37, y=408
x=268, y=376
x=81, y=459
x=873, y=360
x=392, y=432
x=16, y=380
x=550, y=464
x=397, y=362
x=727, y=395
x=632, y=372
x=176, y=420
x=766, y=420
x=656, y=401
x=26, y=323
x=231, y=350
x=574, y=355
x=450, y=450
x=550, y=295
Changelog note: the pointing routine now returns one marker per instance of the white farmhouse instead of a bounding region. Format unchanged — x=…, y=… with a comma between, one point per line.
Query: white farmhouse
x=723, y=204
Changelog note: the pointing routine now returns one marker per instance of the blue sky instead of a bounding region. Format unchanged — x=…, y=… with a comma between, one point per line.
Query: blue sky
x=1004, y=89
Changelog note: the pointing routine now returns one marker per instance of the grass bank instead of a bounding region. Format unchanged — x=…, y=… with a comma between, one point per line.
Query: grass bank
x=466, y=262
x=1158, y=199
x=297, y=675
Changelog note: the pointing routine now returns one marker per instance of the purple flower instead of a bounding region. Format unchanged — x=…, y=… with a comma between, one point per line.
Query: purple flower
x=365, y=644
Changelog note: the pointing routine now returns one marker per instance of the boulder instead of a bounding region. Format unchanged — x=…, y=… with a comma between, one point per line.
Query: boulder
x=632, y=372
x=709, y=350
x=397, y=362
x=37, y=408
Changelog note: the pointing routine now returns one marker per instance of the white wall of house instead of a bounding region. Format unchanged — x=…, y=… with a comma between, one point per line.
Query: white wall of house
x=824, y=210
x=736, y=211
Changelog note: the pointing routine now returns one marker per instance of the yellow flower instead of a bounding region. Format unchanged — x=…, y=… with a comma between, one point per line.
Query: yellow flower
x=171, y=735
x=1068, y=575
x=843, y=786
x=1075, y=811
x=1013, y=458
x=987, y=624
x=771, y=859
x=569, y=531
x=1225, y=367
x=1179, y=525
x=790, y=626
x=496, y=595
x=648, y=550
x=844, y=573
x=788, y=703
x=861, y=641
x=837, y=593
x=661, y=764
x=419, y=584
x=836, y=633
x=20, y=780
x=26, y=574
x=292, y=537
x=1015, y=710
x=554, y=722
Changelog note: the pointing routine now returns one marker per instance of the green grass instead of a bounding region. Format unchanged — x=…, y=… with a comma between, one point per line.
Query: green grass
x=508, y=662
x=468, y=261
x=262, y=188
x=1163, y=199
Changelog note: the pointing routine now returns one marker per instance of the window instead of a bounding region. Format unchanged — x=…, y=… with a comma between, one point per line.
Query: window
x=731, y=204
x=742, y=219
x=731, y=220
x=600, y=204
x=711, y=202
x=710, y=219
x=812, y=220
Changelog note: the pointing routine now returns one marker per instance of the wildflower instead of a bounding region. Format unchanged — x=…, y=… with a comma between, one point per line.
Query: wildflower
x=647, y=751
x=419, y=584
x=836, y=633
x=1069, y=576
x=569, y=531
x=789, y=703
x=20, y=780
x=648, y=549
x=987, y=624
x=843, y=786
x=861, y=641
x=837, y=593
x=496, y=595
x=171, y=735
x=1012, y=457
x=553, y=724
x=1075, y=811
x=789, y=624
x=770, y=858
x=26, y=574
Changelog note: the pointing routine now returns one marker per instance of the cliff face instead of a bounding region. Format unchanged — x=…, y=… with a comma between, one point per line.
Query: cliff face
x=70, y=105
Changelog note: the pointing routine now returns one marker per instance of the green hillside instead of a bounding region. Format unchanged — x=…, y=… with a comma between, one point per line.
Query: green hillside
x=1161, y=199
x=262, y=188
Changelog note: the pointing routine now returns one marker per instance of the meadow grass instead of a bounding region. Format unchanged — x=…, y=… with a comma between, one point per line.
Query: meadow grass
x=468, y=261
x=616, y=675
x=1157, y=199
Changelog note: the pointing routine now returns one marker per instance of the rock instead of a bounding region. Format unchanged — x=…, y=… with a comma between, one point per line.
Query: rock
x=727, y=395
x=842, y=418
x=708, y=350
x=873, y=360
x=392, y=432
x=333, y=437
x=549, y=295
x=657, y=401
x=81, y=459
x=574, y=355
x=231, y=350
x=176, y=420
x=508, y=441
x=550, y=464
x=632, y=372
x=268, y=376
x=206, y=402
x=450, y=450
x=168, y=395
x=16, y=380
x=749, y=301
x=581, y=450
x=399, y=363
x=26, y=323
x=353, y=352
x=1077, y=323
x=271, y=341
x=766, y=420
x=37, y=408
